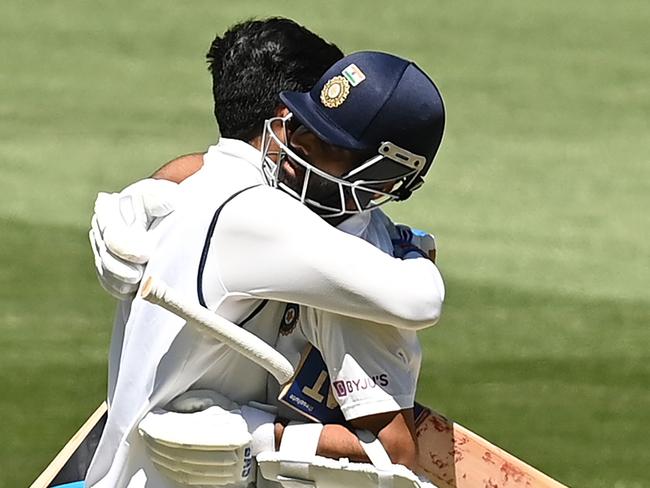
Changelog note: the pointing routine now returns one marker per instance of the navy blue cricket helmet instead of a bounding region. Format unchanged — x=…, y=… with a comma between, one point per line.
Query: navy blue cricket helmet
x=374, y=101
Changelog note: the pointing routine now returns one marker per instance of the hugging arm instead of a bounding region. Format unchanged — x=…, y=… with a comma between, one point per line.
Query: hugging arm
x=292, y=255
x=295, y=255
x=180, y=168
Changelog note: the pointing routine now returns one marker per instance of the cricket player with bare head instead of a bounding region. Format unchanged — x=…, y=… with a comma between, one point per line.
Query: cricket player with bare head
x=240, y=246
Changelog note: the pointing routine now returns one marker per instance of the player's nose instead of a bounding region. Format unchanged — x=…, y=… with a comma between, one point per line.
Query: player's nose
x=303, y=141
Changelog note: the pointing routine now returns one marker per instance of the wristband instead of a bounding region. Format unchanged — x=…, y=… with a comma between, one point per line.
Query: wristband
x=374, y=449
x=261, y=425
x=300, y=440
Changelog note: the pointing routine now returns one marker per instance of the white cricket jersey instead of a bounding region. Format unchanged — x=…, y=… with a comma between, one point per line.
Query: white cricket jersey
x=231, y=244
x=357, y=368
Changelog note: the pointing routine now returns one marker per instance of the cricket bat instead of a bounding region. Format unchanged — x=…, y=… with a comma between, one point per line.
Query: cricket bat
x=72, y=462
x=452, y=456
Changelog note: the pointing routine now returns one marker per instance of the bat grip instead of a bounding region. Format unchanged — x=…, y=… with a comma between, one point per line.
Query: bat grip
x=157, y=292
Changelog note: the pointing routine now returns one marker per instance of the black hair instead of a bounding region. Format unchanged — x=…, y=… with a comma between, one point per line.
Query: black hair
x=253, y=62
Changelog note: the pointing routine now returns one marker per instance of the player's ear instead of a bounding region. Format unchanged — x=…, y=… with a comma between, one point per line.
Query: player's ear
x=281, y=111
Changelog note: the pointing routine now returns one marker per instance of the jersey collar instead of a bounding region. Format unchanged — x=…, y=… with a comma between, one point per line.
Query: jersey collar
x=241, y=150
x=354, y=225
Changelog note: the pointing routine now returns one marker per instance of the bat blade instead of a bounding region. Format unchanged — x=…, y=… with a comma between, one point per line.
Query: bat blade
x=452, y=456
x=71, y=463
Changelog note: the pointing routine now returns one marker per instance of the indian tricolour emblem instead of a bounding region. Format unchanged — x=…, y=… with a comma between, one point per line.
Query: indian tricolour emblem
x=353, y=74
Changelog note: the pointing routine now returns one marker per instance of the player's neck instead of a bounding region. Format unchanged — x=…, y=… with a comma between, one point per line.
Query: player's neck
x=256, y=142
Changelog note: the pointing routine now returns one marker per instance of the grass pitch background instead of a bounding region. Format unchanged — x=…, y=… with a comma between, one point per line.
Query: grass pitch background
x=539, y=198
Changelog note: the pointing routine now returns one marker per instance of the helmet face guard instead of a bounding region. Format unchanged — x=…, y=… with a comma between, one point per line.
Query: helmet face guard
x=392, y=174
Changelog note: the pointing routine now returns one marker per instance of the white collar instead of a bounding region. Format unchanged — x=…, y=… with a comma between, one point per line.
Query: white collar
x=241, y=150
x=354, y=225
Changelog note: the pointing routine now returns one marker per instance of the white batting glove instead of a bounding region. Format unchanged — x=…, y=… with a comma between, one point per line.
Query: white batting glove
x=320, y=472
x=202, y=438
x=120, y=235
x=410, y=243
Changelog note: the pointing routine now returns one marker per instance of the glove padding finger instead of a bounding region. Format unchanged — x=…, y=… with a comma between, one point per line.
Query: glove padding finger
x=334, y=473
x=159, y=197
x=123, y=223
x=125, y=218
x=121, y=291
x=110, y=265
x=259, y=417
x=117, y=286
x=213, y=427
x=191, y=457
x=205, y=444
x=196, y=478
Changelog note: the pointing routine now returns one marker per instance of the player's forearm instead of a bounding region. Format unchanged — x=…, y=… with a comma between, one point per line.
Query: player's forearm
x=299, y=258
x=336, y=441
x=351, y=277
x=180, y=168
x=395, y=431
x=369, y=285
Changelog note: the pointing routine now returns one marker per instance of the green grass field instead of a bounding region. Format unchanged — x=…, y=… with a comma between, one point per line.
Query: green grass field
x=537, y=199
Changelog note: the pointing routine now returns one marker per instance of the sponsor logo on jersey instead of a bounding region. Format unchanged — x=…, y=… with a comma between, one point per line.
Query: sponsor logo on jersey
x=346, y=387
x=289, y=319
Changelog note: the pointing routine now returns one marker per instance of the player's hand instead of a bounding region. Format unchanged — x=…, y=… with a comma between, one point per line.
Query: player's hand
x=120, y=235
x=412, y=243
x=202, y=438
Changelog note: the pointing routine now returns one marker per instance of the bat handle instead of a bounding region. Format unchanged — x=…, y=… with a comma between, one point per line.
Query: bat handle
x=157, y=292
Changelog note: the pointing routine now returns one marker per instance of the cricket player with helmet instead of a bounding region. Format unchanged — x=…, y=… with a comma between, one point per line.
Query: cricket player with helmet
x=373, y=369
x=159, y=358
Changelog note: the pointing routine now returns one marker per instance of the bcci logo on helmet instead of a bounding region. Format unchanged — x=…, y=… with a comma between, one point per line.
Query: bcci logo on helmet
x=335, y=92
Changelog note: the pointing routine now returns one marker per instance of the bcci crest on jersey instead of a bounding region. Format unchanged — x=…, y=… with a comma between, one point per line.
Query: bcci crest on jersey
x=289, y=319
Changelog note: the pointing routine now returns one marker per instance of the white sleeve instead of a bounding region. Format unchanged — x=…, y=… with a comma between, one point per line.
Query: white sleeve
x=270, y=246
x=372, y=368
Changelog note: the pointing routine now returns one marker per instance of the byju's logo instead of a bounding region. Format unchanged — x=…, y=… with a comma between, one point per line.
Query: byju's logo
x=345, y=387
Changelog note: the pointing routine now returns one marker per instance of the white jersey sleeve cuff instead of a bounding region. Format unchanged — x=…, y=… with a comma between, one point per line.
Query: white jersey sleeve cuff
x=355, y=410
